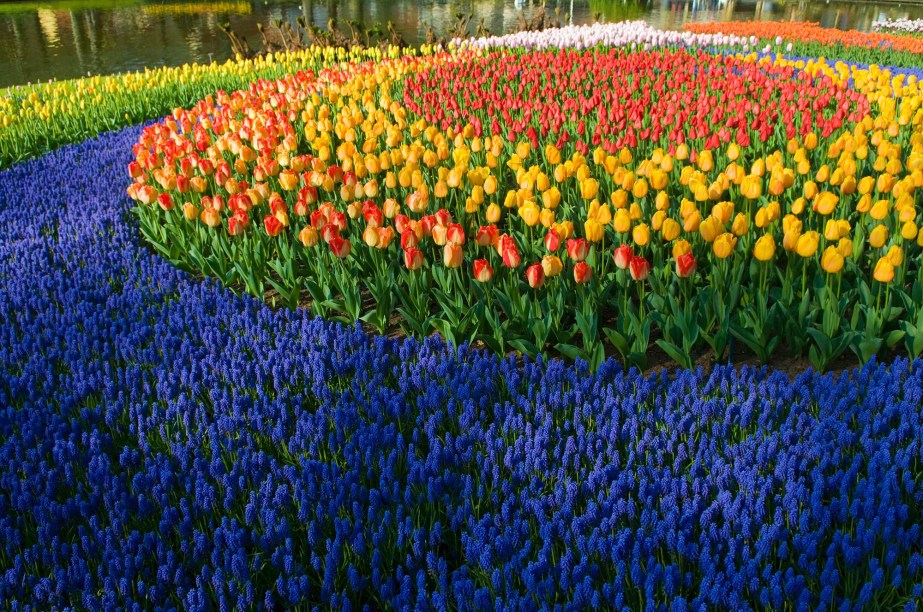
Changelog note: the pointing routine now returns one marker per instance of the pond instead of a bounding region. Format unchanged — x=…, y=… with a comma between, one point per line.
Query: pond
x=69, y=38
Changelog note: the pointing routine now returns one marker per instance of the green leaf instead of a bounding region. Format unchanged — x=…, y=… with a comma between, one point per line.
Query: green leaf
x=569, y=350
x=676, y=353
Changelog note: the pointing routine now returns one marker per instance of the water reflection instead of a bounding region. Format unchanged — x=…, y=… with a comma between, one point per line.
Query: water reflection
x=40, y=42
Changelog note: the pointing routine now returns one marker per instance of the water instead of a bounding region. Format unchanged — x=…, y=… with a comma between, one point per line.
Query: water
x=65, y=39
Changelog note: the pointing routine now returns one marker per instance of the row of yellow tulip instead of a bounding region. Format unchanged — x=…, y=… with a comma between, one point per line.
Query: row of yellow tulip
x=38, y=117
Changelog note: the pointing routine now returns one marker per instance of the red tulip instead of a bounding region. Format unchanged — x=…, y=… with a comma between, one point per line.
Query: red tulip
x=583, y=273
x=166, y=201
x=578, y=249
x=318, y=219
x=535, y=274
x=413, y=258
x=273, y=226
x=427, y=223
x=552, y=240
x=639, y=268
x=401, y=222
x=685, y=265
x=455, y=234
x=508, y=251
x=409, y=239
x=340, y=247
x=487, y=235
x=329, y=232
x=622, y=256
x=443, y=217
x=482, y=271
x=238, y=223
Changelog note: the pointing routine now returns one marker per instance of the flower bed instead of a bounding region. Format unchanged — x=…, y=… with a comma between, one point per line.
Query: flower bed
x=37, y=118
x=478, y=198
x=813, y=40
x=165, y=443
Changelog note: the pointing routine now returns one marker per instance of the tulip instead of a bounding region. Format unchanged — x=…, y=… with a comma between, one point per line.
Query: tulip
x=621, y=221
x=329, y=232
x=370, y=236
x=439, y=235
x=764, y=248
x=639, y=268
x=413, y=258
x=308, y=236
x=487, y=235
x=530, y=213
x=641, y=234
x=165, y=200
x=884, y=270
x=740, y=225
x=622, y=256
x=807, y=244
x=670, y=229
x=710, y=228
x=552, y=240
x=578, y=249
x=909, y=230
x=509, y=253
x=455, y=234
x=340, y=247
x=593, y=230
x=493, y=213
x=878, y=236
x=685, y=265
x=452, y=255
x=272, y=225
x=483, y=273
x=681, y=247
x=238, y=223
x=552, y=265
x=190, y=211
x=831, y=260
x=583, y=273
x=535, y=275
x=895, y=255
x=825, y=202
x=724, y=245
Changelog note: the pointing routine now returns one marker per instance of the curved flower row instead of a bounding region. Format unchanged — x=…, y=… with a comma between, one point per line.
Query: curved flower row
x=529, y=208
x=166, y=444
x=814, y=40
x=620, y=34
x=901, y=25
x=36, y=118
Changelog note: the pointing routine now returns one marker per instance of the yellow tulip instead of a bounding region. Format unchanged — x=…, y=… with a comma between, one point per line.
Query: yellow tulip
x=825, y=203
x=895, y=255
x=641, y=234
x=493, y=213
x=710, y=228
x=681, y=247
x=594, y=230
x=909, y=230
x=878, y=236
x=621, y=221
x=741, y=224
x=764, y=248
x=670, y=229
x=589, y=188
x=724, y=245
x=884, y=271
x=832, y=260
x=807, y=244
x=844, y=247
x=530, y=213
